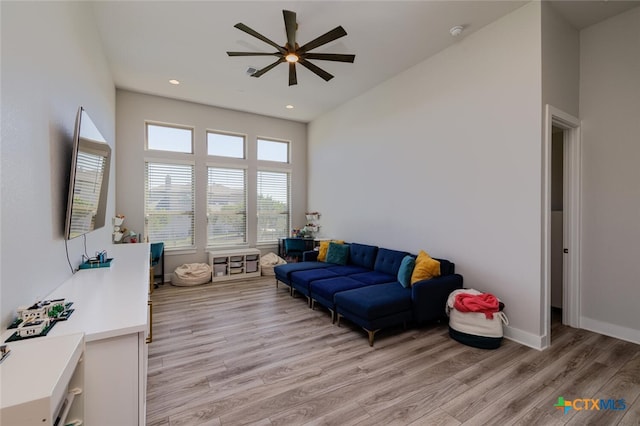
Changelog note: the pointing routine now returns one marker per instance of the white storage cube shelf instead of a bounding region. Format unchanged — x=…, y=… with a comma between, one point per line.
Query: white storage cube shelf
x=234, y=264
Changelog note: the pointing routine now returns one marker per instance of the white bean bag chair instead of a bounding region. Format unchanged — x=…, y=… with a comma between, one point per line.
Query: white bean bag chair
x=191, y=274
x=268, y=261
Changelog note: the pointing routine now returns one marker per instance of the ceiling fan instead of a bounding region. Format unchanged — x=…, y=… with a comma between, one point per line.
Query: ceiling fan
x=292, y=53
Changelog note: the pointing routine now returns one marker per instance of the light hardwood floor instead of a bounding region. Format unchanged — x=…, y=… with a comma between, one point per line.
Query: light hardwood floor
x=247, y=353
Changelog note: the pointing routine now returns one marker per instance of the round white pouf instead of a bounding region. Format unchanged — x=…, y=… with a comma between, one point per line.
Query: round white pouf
x=191, y=274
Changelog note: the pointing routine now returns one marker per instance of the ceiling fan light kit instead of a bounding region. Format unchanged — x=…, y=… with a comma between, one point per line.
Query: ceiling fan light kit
x=294, y=54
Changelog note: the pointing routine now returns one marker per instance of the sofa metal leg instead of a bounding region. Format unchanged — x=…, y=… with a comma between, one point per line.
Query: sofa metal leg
x=311, y=303
x=371, y=334
x=338, y=320
x=333, y=316
x=276, y=283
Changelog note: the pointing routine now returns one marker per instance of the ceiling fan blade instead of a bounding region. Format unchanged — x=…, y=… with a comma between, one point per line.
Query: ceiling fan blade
x=315, y=69
x=334, y=34
x=293, y=79
x=252, y=54
x=268, y=68
x=330, y=57
x=243, y=27
x=290, y=25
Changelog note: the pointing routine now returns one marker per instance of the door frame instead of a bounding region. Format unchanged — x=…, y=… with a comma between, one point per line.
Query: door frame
x=572, y=164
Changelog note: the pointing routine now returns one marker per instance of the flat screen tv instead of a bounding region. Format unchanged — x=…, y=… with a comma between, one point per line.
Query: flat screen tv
x=89, y=179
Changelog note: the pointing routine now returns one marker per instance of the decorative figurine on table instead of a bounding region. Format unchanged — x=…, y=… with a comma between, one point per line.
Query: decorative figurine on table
x=118, y=230
x=37, y=319
x=122, y=234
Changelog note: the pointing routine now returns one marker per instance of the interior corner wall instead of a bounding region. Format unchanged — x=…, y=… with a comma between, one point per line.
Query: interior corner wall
x=446, y=157
x=134, y=109
x=52, y=63
x=560, y=62
x=609, y=111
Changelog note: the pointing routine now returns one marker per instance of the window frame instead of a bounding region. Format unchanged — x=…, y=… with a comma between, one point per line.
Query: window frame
x=273, y=162
x=224, y=133
x=229, y=166
x=173, y=162
x=148, y=123
x=287, y=231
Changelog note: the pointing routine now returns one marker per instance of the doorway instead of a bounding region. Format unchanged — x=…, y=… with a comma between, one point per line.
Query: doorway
x=557, y=226
x=561, y=221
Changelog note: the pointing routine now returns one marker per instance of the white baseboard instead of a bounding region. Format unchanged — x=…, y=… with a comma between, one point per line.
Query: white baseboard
x=524, y=338
x=612, y=330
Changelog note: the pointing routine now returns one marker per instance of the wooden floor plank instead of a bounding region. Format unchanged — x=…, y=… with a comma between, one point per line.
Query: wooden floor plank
x=246, y=352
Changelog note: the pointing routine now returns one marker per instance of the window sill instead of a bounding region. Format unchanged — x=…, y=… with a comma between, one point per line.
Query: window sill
x=179, y=252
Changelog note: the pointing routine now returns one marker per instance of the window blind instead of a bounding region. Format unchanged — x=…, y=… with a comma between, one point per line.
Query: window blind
x=226, y=206
x=273, y=205
x=169, y=204
x=86, y=195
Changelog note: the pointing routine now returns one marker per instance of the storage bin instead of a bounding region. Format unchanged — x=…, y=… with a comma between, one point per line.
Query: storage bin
x=236, y=258
x=236, y=271
x=252, y=257
x=236, y=264
x=252, y=266
x=219, y=260
x=220, y=270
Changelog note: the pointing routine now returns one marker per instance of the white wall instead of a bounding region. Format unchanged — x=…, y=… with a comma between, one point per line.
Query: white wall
x=560, y=62
x=610, y=112
x=446, y=157
x=52, y=63
x=133, y=109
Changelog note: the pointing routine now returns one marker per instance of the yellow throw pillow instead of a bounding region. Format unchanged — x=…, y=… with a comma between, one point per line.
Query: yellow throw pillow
x=324, y=247
x=426, y=268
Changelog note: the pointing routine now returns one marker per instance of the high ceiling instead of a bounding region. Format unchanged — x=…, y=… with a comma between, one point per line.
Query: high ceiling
x=147, y=43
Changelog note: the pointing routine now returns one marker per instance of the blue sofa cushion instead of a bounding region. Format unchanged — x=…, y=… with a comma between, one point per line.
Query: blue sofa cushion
x=388, y=261
x=338, y=253
x=446, y=267
x=362, y=255
x=324, y=290
x=283, y=272
x=300, y=280
x=374, y=277
x=375, y=301
x=347, y=269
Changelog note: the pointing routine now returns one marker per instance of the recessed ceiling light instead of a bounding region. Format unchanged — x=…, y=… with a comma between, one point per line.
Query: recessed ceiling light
x=174, y=81
x=289, y=107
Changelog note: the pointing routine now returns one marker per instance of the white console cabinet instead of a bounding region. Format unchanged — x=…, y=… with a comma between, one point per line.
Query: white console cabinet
x=234, y=264
x=42, y=382
x=111, y=311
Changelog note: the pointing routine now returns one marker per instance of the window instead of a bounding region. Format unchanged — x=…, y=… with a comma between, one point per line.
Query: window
x=273, y=151
x=226, y=206
x=273, y=206
x=169, y=204
x=90, y=170
x=225, y=145
x=167, y=138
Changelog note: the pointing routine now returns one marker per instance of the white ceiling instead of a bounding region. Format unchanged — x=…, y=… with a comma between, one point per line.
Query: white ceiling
x=147, y=43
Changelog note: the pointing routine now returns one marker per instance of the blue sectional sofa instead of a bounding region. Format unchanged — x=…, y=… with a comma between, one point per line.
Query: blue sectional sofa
x=365, y=289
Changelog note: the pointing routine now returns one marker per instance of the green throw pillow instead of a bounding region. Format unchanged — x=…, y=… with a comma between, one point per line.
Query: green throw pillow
x=406, y=270
x=338, y=253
